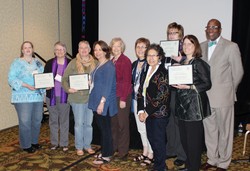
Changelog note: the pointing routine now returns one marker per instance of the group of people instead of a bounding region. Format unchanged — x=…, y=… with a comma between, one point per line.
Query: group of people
x=171, y=119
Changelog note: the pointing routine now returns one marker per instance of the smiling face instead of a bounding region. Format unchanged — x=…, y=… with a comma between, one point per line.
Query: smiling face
x=153, y=58
x=60, y=51
x=173, y=34
x=188, y=47
x=117, y=49
x=27, y=49
x=84, y=49
x=99, y=53
x=140, y=50
x=213, y=29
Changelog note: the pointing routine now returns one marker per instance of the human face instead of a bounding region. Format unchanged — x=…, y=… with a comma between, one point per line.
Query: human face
x=188, y=48
x=27, y=49
x=173, y=34
x=117, y=49
x=59, y=51
x=83, y=49
x=213, y=30
x=99, y=53
x=140, y=50
x=153, y=58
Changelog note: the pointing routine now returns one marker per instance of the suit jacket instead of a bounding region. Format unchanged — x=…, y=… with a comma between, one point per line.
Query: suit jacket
x=226, y=72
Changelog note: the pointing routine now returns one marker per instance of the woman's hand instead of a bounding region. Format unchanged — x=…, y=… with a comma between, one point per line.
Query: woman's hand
x=182, y=86
x=100, y=108
x=72, y=90
x=143, y=116
x=122, y=104
x=177, y=58
x=32, y=88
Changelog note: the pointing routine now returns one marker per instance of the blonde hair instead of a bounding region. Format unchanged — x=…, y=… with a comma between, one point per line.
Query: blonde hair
x=118, y=39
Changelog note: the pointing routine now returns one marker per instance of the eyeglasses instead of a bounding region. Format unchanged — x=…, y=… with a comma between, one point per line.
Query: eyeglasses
x=152, y=56
x=141, y=47
x=59, y=50
x=172, y=33
x=212, y=27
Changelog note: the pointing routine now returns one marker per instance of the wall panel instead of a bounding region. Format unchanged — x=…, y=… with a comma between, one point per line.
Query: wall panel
x=11, y=39
x=34, y=20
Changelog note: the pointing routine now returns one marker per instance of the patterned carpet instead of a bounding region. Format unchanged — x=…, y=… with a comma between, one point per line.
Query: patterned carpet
x=12, y=158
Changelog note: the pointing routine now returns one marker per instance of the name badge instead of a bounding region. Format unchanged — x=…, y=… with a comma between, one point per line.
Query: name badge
x=58, y=78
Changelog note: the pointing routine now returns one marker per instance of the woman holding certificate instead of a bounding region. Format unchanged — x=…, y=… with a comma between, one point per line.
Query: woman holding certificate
x=83, y=64
x=56, y=99
x=153, y=104
x=192, y=104
x=28, y=100
x=102, y=98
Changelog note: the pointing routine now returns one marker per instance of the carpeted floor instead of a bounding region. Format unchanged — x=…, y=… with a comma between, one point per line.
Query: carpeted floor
x=12, y=158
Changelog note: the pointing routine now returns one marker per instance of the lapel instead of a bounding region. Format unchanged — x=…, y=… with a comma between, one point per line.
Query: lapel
x=205, y=56
x=217, y=50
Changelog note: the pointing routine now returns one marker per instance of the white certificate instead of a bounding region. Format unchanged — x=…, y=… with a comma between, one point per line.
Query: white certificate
x=170, y=47
x=44, y=80
x=79, y=81
x=180, y=74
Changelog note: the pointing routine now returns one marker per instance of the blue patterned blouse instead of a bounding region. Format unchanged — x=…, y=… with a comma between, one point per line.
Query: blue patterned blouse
x=22, y=72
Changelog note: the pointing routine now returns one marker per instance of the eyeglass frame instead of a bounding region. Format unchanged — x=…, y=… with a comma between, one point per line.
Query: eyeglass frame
x=172, y=33
x=212, y=27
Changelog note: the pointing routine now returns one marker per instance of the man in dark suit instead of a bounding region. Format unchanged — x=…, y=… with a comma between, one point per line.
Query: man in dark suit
x=224, y=59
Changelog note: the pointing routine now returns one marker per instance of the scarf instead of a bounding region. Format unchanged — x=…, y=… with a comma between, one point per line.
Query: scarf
x=64, y=95
x=82, y=64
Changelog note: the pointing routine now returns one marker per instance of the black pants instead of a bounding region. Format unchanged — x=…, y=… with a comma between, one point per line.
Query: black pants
x=104, y=124
x=191, y=133
x=156, y=132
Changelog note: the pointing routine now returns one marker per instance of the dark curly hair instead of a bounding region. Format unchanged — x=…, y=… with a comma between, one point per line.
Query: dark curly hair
x=157, y=48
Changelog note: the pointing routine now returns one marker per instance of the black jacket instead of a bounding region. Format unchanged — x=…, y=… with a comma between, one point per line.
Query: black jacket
x=193, y=104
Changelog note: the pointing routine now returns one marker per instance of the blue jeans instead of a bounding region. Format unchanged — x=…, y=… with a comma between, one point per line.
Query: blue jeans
x=29, y=118
x=83, y=117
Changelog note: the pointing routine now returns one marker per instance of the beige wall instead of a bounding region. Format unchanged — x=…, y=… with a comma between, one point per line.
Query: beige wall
x=41, y=21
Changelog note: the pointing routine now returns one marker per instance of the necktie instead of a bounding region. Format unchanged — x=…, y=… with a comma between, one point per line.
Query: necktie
x=211, y=43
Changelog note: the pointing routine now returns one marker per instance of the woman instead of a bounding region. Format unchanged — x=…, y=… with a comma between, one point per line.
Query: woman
x=153, y=104
x=192, y=104
x=84, y=63
x=174, y=147
x=56, y=99
x=141, y=45
x=102, y=98
x=28, y=100
x=120, y=122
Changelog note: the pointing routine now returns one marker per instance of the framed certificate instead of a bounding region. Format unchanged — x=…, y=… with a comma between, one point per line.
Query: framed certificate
x=170, y=47
x=180, y=74
x=79, y=81
x=44, y=80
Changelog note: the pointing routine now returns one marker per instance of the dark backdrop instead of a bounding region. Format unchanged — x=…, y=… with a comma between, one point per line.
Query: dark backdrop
x=241, y=35
x=84, y=21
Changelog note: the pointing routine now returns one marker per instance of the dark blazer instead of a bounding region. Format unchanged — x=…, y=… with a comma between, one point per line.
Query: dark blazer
x=157, y=93
x=193, y=104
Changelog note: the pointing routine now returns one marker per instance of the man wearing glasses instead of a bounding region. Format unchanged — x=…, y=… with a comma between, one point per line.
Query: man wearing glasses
x=224, y=59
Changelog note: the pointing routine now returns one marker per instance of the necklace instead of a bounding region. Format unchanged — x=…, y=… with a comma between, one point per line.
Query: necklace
x=28, y=59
